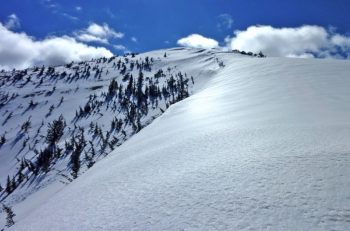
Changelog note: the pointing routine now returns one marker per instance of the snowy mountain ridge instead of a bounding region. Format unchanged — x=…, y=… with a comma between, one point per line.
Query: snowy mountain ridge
x=256, y=144
x=124, y=93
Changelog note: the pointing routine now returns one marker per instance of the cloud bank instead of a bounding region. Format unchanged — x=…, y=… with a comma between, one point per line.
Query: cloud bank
x=304, y=41
x=307, y=41
x=198, y=41
x=19, y=50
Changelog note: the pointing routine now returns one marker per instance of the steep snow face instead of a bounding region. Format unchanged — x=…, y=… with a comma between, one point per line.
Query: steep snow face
x=263, y=145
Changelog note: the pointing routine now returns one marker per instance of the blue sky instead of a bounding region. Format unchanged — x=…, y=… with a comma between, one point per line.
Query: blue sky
x=154, y=24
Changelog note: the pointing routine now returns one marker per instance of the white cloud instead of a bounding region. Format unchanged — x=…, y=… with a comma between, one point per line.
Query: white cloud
x=91, y=38
x=122, y=48
x=198, y=41
x=12, y=22
x=341, y=41
x=50, y=5
x=110, y=13
x=119, y=47
x=70, y=17
x=225, y=22
x=304, y=41
x=98, y=33
x=134, y=39
x=78, y=8
x=18, y=50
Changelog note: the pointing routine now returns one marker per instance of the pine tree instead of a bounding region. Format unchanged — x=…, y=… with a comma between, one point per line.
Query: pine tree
x=261, y=55
x=75, y=156
x=139, y=89
x=26, y=125
x=44, y=159
x=8, y=185
x=9, y=215
x=55, y=130
x=13, y=184
x=2, y=140
x=20, y=177
x=139, y=125
x=112, y=88
x=90, y=158
x=129, y=87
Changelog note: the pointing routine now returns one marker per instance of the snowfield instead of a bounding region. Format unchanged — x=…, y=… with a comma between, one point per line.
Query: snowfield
x=261, y=144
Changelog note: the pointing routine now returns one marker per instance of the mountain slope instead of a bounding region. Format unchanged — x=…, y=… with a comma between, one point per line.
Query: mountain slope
x=263, y=144
x=59, y=121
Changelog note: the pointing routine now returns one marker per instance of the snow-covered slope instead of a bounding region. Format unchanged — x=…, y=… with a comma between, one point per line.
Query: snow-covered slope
x=58, y=121
x=262, y=144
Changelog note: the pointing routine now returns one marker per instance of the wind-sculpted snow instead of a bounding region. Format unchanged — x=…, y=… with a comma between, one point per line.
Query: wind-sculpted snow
x=262, y=145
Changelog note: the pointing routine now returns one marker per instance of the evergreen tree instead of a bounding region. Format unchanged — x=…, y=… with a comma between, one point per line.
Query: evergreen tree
x=129, y=88
x=112, y=88
x=90, y=158
x=261, y=55
x=2, y=140
x=13, y=184
x=20, y=177
x=9, y=215
x=139, y=93
x=44, y=159
x=26, y=125
x=55, y=130
x=75, y=156
x=8, y=185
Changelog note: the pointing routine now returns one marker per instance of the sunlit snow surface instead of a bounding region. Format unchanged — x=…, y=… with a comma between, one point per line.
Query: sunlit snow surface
x=263, y=144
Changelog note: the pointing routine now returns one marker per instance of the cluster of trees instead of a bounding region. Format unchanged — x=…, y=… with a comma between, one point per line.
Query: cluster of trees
x=5, y=98
x=129, y=98
x=259, y=55
x=44, y=157
x=138, y=95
